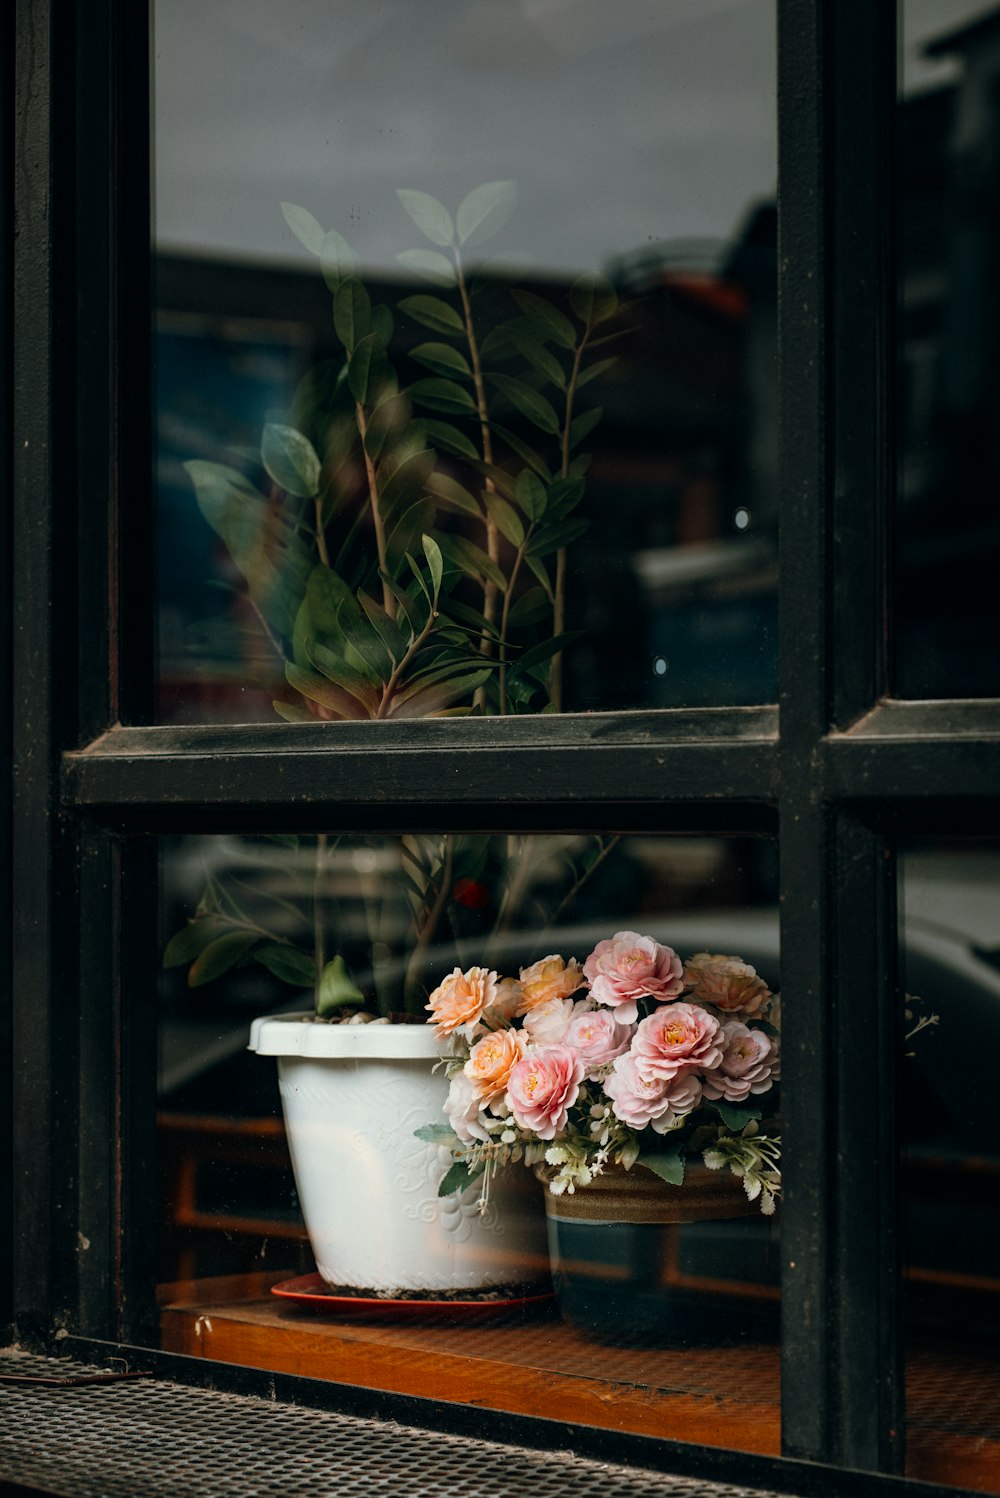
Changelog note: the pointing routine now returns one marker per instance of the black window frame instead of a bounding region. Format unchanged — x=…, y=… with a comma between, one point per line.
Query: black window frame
x=839, y=769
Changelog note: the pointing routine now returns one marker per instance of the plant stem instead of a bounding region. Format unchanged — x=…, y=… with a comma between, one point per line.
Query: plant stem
x=400, y=667
x=319, y=925
x=324, y=555
x=486, y=435
x=571, y=895
x=559, y=601
x=426, y=933
x=507, y=597
x=388, y=601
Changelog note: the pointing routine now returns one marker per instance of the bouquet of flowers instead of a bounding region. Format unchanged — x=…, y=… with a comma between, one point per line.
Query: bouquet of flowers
x=632, y=1058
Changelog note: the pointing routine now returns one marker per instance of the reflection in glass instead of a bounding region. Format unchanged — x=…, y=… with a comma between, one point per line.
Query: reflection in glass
x=542, y=962
x=501, y=277
x=950, y=961
x=947, y=544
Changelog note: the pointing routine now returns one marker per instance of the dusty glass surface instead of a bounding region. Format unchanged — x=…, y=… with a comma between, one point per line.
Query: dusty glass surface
x=947, y=541
x=500, y=275
x=419, y=1249
x=950, y=973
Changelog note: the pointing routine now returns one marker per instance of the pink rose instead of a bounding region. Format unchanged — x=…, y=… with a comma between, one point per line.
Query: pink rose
x=458, y=1002
x=678, y=1038
x=639, y=1101
x=505, y=1004
x=728, y=983
x=630, y=967
x=463, y=1107
x=598, y=1037
x=543, y=1088
x=547, y=1023
x=749, y=1064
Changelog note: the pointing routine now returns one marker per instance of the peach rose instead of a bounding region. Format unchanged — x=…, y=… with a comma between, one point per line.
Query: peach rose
x=549, y=978
x=491, y=1062
x=544, y=1085
x=728, y=983
x=547, y=1023
x=458, y=1002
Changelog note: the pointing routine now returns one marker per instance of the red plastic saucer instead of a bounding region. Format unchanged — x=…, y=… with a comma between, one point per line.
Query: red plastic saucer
x=310, y=1290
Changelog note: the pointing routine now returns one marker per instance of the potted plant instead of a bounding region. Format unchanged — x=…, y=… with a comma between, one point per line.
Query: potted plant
x=406, y=556
x=643, y=1091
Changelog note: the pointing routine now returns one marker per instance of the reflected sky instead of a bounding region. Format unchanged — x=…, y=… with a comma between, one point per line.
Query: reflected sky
x=624, y=124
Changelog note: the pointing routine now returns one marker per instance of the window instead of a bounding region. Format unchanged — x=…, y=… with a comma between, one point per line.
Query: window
x=844, y=771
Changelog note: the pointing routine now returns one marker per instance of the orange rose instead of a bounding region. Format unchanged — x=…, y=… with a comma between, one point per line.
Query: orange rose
x=491, y=1061
x=727, y=983
x=458, y=1002
x=549, y=978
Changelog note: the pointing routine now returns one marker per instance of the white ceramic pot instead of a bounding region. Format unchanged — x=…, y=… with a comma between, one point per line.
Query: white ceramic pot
x=353, y=1096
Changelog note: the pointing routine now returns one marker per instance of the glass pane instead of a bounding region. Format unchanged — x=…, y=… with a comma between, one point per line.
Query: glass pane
x=951, y=974
x=947, y=544
x=502, y=275
x=604, y=1056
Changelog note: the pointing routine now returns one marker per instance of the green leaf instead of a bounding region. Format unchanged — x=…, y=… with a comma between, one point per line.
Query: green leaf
x=451, y=495
x=435, y=562
x=291, y=460
x=407, y=482
x=529, y=491
x=360, y=367
x=584, y=425
x=336, y=988
x=382, y=325
x=530, y=404
x=352, y=312
x=437, y=1134
x=260, y=539
x=443, y=435
x=359, y=631
x=564, y=496
x=404, y=534
x=466, y=557
x=287, y=963
x=539, y=358
x=308, y=230
x=329, y=694
x=432, y=312
x=736, y=1118
x=292, y=712
x=506, y=519
x=458, y=1178
x=593, y=299
x=360, y=681
x=221, y=955
x=442, y=358
x=580, y=465
x=545, y=649
x=442, y=395
x=556, y=323
x=555, y=536
x=413, y=609
x=337, y=259
x=431, y=217
x=529, y=609
x=393, y=637
x=485, y=211
x=423, y=701
x=667, y=1164
x=601, y=367
x=387, y=423
x=188, y=943
x=537, y=566
x=524, y=452
x=429, y=263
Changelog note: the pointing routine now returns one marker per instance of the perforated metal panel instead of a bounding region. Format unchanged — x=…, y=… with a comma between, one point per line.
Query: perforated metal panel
x=125, y=1440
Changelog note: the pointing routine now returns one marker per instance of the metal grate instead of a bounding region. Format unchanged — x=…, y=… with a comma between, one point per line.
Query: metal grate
x=154, y=1437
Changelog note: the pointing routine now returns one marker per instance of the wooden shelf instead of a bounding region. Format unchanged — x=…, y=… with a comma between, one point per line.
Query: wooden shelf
x=534, y=1364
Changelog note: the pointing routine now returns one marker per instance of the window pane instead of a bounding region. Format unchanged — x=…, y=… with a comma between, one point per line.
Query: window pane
x=951, y=974
x=667, y=1327
x=947, y=549
x=503, y=275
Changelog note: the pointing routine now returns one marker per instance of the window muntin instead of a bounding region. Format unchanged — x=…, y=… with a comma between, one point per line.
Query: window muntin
x=657, y=174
